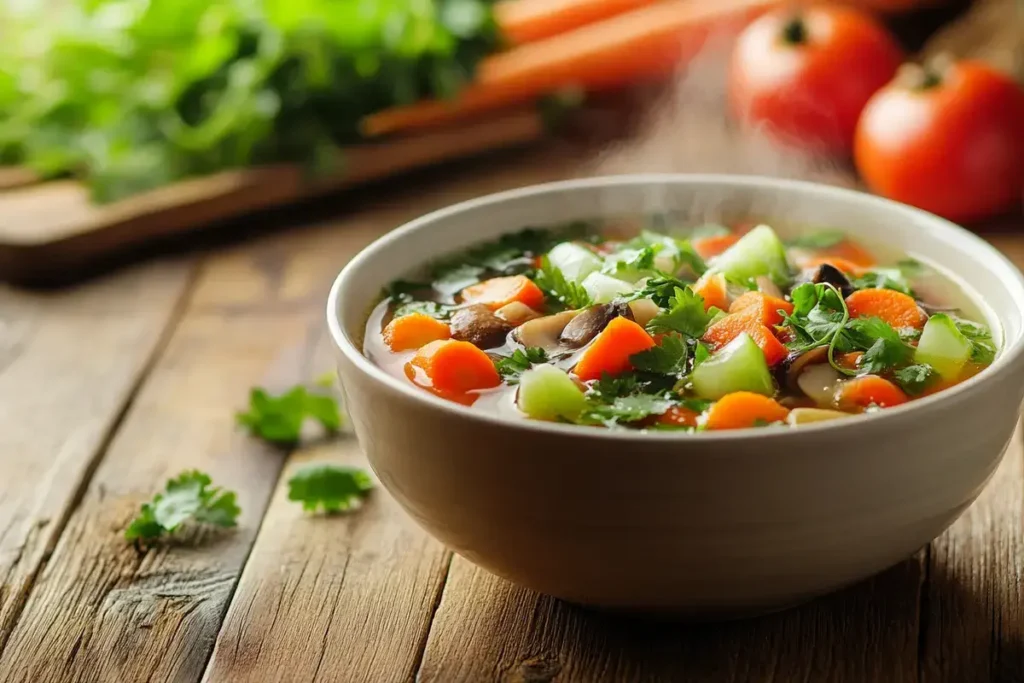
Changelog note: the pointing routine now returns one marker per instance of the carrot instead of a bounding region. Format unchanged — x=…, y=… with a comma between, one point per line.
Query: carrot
x=861, y=392
x=836, y=262
x=852, y=253
x=678, y=416
x=524, y=21
x=712, y=288
x=645, y=43
x=610, y=351
x=744, y=409
x=413, y=331
x=762, y=307
x=452, y=368
x=706, y=247
x=735, y=324
x=501, y=291
x=895, y=308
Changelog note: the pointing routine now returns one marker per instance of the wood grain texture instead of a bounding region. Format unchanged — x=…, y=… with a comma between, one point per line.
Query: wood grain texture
x=973, y=607
x=55, y=224
x=69, y=363
x=329, y=599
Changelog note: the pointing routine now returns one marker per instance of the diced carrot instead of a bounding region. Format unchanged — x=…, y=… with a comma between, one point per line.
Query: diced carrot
x=861, y=392
x=501, y=291
x=679, y=416
x=706, y=247
x=452, y=368
x=412, y=331
x=610, y=351
x=836, y=262
x=713, y=289
x=646, y=43
x=895, y=308
x=762, y=307
x=744, y=409
x=849, y=360
x=735, y=324
x=524, y=21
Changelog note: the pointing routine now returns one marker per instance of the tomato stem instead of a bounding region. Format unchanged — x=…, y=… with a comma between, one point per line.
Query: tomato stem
x=795, y=31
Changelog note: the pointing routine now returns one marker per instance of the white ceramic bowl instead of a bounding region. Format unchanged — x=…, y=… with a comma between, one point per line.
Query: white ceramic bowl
x=707, y=525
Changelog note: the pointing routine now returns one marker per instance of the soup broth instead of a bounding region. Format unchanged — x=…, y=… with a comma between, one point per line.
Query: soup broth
x=645, y=325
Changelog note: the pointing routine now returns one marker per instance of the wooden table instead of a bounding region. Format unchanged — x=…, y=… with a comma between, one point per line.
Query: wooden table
x=110, y=388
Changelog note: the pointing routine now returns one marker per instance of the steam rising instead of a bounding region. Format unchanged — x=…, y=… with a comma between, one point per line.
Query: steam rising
x=692, y=131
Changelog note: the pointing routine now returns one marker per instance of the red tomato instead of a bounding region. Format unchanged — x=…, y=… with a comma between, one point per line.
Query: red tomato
x=950, y=141
x=805, y=74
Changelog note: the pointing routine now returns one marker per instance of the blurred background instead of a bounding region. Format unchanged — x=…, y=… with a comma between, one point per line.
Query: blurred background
x=126, y=123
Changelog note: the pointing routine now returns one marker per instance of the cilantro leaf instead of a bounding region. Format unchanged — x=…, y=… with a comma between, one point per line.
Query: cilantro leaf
x=554, y=284
x=883, y=278
x=431, y=308
x=686, y=315
x=634, y=263
x=701, y=353
x=660, y=289
x=332, y=487
x=983, y=348
x=882, y=345
x=188, y=496
x=625, y=409
x=915, y=378
x=279, y=419
x=668, y=358
x=822, y=239
x=521, y=360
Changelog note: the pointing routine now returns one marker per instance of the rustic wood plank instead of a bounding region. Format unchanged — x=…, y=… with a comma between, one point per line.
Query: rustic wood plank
x=100, y=611
x=973, y=607
x=328, y=599
x=69, y=363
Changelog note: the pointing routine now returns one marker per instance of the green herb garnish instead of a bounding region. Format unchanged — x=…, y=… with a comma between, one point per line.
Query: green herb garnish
x=668, y=358
x=331, y=487
x=187, y=497
x=686, y=315
x=521, y=360
x=983, y=348
x=279, y=419
x=915, y=378
x=554, y=284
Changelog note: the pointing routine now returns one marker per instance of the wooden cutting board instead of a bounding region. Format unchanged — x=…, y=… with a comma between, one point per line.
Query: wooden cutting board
x=53, y=227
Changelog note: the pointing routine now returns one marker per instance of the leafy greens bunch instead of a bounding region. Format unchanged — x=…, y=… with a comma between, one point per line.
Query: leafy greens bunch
x=132, y=94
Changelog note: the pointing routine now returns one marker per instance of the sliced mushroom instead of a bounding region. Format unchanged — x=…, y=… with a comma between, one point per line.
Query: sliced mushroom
x=643, y=310
x=589, y=323
x=802, y=416
x=795, y=364
x=516, y=313
x=544, y=332
x=829, y=274
x=766, y=286
x=479, y=326
x=819, y=382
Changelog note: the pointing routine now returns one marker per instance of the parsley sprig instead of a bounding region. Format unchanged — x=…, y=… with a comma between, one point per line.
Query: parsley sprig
x=521, y=360
x=685, y=315
x=554, y=284
x=189, y=497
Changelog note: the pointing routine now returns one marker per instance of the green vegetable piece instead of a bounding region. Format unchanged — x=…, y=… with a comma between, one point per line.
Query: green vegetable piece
x=603, y=289
x=187, y=497
x=548, y=393
x=279, y=419
x=331, y=487
x=739, y=366
x=511, y=367
x=576, y=262
x=943, y=347
x=759, y=252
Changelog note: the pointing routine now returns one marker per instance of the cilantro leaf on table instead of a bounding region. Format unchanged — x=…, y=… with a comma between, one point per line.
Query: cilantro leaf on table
x=279, y=419
x=983, y=348
x=187, y=497
x=686, y=315
x=668, y=358
x=521, y=360
x=331, y=487
x=822, y=239
x=916, y=378
x=554, y=284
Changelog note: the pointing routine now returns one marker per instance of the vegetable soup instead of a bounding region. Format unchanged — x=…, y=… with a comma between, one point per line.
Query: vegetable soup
x=693, y=329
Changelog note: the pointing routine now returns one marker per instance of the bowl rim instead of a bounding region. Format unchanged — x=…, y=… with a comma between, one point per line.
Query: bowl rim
x=1011, y=354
